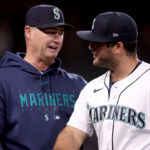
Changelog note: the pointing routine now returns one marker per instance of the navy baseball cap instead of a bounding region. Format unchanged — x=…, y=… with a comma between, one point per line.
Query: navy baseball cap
x=111, y=27
x=46, y=16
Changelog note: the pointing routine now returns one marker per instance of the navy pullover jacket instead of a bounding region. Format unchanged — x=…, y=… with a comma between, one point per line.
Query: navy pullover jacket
x=34, y=106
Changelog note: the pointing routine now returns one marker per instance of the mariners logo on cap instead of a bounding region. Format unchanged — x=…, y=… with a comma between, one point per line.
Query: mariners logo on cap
x=56, y=13
x=93, y=23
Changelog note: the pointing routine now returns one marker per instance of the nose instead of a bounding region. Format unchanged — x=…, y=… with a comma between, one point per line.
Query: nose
x=57, y=37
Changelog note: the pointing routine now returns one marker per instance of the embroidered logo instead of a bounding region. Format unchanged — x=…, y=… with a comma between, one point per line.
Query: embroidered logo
x=93, y=23
x=56, y=117
x=115, y=34
x=46, y=117
x=56, y=13
x=96, y=90
x=117, y=113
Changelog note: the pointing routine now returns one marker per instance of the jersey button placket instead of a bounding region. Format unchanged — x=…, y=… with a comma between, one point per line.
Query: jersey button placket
x=113, y=94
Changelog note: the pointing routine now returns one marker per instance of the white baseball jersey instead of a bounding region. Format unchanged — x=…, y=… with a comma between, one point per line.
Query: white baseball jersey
x=120, y=119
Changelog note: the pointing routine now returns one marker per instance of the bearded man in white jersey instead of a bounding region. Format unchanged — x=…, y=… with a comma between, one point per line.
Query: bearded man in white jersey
x=117, y=104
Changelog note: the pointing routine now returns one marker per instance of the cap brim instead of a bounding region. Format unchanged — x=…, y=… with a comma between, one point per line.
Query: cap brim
x=66, y=26
x=89, y=36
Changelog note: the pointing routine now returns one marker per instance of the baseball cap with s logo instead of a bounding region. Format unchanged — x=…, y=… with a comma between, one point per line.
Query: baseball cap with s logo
x=46, y=16
x=56, y=13
x=111, y=27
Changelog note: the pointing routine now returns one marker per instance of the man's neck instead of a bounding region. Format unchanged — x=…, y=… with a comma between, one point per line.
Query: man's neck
x=123, y=69
x=38, y=64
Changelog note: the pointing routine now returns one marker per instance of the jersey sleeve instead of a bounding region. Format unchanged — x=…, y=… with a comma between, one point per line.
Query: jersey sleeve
x=80, y=117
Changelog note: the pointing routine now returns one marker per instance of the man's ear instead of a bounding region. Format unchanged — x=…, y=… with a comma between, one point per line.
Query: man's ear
x=118, y=48
x=27, y=31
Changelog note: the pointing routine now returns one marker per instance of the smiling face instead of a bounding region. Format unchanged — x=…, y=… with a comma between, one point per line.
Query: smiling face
x=44, y=44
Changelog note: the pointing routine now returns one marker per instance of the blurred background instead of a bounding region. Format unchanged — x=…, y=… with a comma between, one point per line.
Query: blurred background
x=75, y=55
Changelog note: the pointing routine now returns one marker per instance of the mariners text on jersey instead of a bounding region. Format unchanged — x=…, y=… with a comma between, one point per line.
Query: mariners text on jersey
x=118, y=113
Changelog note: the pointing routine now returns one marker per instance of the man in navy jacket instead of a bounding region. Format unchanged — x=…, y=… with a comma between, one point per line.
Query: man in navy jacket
x=37, y=96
